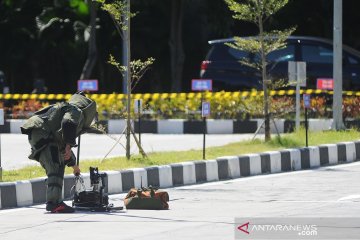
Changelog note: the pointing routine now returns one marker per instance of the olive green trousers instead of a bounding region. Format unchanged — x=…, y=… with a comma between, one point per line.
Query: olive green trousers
x=51, y=159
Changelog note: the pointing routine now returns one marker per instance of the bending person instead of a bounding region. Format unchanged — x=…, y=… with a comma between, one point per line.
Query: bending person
x=52, y=132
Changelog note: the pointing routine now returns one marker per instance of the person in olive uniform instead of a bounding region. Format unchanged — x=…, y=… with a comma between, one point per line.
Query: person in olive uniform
x=52, y=132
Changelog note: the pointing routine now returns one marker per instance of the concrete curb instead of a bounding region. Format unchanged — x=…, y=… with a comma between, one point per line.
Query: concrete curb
x=25, y=193
x=213, y=126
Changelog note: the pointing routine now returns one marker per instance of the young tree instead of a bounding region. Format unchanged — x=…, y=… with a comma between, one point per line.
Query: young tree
x=258, y=12
x=119, y=11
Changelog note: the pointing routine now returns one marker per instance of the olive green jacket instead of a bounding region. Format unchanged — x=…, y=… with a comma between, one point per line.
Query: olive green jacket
x=60, y=123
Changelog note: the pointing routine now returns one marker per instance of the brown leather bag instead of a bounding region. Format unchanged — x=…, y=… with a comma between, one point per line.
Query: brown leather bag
x=146, y=198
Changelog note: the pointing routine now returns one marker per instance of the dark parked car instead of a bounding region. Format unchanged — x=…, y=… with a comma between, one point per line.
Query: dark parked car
x=223, y=67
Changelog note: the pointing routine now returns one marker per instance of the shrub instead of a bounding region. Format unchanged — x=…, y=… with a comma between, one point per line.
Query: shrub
x=224, y=105
x=351, y=107
x=26, y=108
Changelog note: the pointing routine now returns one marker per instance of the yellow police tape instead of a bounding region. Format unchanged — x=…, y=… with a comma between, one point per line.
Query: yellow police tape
x=154, y=96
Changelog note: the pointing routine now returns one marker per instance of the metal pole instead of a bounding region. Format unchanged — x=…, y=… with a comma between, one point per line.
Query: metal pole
x=2, y=122
x=128, y=79
x=125, y=48
x=0, y=161
x=204, y=124
x=306, y=126
x=78, y=151
x=337, y=68
x=297, y=118
x=139, y=112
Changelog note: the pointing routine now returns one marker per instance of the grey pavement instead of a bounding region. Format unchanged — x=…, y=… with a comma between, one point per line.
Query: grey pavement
x=15, y=147
x=205, y=211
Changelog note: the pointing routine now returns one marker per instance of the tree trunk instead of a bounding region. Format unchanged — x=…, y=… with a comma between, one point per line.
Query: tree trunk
x=176, y=45
x=92, y=51
x=127, y=76
x=265, y=80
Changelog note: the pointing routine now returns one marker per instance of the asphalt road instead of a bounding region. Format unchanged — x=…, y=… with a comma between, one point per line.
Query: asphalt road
x=15, y=147
x=205, y=211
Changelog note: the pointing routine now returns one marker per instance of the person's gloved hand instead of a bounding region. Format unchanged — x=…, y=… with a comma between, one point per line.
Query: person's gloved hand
x=76, y=170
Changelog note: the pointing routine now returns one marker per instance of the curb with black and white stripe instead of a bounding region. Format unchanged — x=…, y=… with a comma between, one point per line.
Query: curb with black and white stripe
x=25, y=193
x=181, y=126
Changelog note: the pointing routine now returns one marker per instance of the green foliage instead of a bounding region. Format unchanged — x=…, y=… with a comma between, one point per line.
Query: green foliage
x=274, y=40
x=58, y=56
x=168, y=108
x=24, y=173
x=252, y=10
x=8, y=2
x=297, y=139
x=116, y=64
x=282, y=107
x=257, y=12
x=137, y=68
x=81, y=7
x=351, y=107
x=118, y=11
x=253, y=106
x=111, y=108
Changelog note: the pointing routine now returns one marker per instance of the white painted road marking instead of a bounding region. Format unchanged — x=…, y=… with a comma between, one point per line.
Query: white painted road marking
x=351, y=197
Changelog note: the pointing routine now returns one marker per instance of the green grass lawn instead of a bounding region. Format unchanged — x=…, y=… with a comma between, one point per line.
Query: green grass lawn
x=292, y=140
